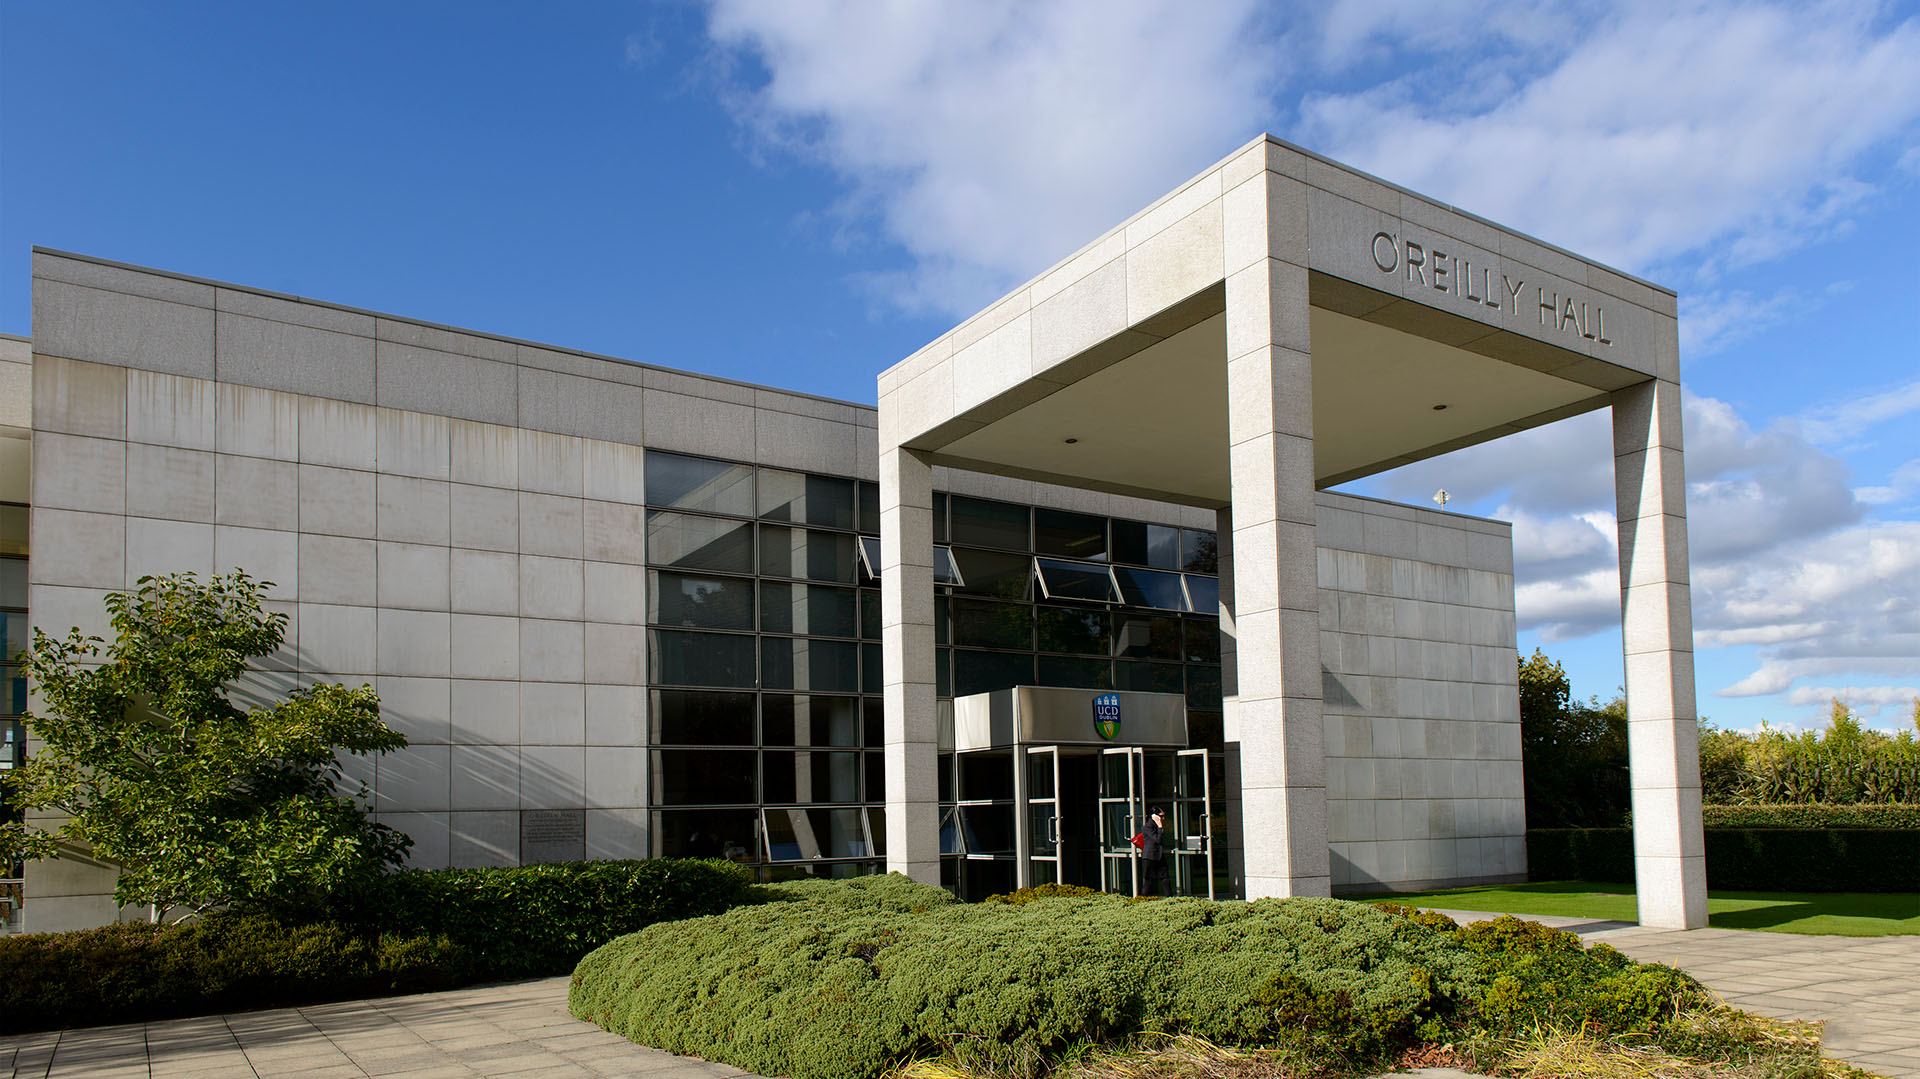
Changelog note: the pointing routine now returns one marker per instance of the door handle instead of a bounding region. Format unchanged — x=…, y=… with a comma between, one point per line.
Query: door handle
x=1053, y=830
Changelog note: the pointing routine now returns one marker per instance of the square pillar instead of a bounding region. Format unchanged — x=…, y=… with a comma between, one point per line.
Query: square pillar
x=1663, y=733
x=1274, y=583
x=906, y=648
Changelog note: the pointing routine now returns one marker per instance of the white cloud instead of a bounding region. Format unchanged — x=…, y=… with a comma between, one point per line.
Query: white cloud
x=1850, y=419
x=1868, y=702
x=1713, y=321
x=989, y=140
x=1723, y=131
x=1902, y=484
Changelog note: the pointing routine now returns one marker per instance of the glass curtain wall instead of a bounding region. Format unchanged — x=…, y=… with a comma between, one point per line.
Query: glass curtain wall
x=764, y=661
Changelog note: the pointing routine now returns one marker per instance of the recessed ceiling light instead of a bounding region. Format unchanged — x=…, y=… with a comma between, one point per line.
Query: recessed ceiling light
x=1071, y=441
x=1439, y=408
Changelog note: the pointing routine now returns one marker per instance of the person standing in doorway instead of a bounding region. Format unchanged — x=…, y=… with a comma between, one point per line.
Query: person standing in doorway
x=1153, y=852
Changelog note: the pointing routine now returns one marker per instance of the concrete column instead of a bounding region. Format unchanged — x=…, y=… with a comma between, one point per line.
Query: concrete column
x=1275, y=583
x=1663, y=734
x=906, y=643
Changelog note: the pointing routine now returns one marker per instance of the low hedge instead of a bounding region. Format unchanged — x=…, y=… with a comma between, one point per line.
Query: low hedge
x=408, y=932
x=1891, y=815
x=839, y=980
x=1746, y=859
x=537, y=920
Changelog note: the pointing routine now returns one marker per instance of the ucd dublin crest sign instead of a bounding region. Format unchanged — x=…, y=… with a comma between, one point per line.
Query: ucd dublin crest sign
x=1106, y=716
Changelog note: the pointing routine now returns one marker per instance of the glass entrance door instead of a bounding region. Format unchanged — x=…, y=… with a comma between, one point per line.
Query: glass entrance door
x=1189, y=834
x=1042, y=816
x=1121, y=816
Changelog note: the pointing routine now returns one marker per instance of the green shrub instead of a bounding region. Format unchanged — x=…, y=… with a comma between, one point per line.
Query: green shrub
x=1746, y=859
x=1539, y=976
x=1041, y=891
x=1844, y=764
x=844, y=979
x=1814, y=815
x=525, y=921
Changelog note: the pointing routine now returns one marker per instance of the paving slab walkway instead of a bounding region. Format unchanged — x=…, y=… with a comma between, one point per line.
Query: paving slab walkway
x=1867, y=989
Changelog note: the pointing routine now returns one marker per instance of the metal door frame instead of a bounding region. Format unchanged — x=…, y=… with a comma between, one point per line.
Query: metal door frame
x=1037, y=826
x=1131, y=818
x=1182, y=796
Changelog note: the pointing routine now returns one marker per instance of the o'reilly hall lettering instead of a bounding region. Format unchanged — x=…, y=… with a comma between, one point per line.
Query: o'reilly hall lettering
x=1431, y=267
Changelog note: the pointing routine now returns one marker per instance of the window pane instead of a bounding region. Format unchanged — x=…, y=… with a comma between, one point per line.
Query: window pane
x=1204, y=594
x=695, y=483
x=1138, y=637
x=869, y=507
x=703, y=776
x=870, y=557
x=1146, y=545
x=700, y=659
x=980, y=523
x=14, y=624
x=1199, y=551
x=1074, y=580
x=943, y=672
x=992, y=625
x=939, y=517
x=1076, y=673
x=809, y=777
x=682, y=718
x=982, y=672
x=815, y=556
x=1203, y=688
x=869, y=614
x=802, y=835
x=1148, y=588
x=941, y=607
x=13, y=530
x=944, y=569
x=800, y=663
x=1203, y=640
x=810, y=720
x=993, y=573
x=683, y=599
x=803, y=499
x=1207, y=730
x=733, y=834
x=807, y=609
x=987, y=829
x=13, y=583
x=688, y=542
x=1070, y=535
x=1148, y=677
x=875, y=713
x=876, y=781
x=872, y=671
x=1073, y=629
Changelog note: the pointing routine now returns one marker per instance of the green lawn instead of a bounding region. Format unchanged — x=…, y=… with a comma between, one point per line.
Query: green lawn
x=1847, y=914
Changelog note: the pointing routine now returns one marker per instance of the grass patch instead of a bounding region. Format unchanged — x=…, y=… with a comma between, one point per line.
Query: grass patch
x=1847, y=914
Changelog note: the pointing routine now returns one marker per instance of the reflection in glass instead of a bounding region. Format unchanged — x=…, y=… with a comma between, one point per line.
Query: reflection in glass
x=869, y=507
x=696, y=776
x=982, y=672
x=13, y=584
x=733, y=834
x=807, y=609
x=1075, y=580
x=695, y=483
x=872, y=674
x=1145, y=637
x=1203, y=640
x=810, y=720
x=804, y=499
x=984, y=624
x=700, y=659
x=980, y=523
x=1148, y=677
x=1070, y=535
x=987, y=829
x=1073, y=629
x=682, y=717
x=801, y=835
x=815, y=556
x=1199, y=551
x=1146, y=545
x=1203, y=593
x=1150, y=588
x=1203, y=688
x=688, y=542
x=803, y=663
x=992, y=573
x=985, y=776
x=869, y=614
x=1073, y=673
x=682, y=599
x=809, y=776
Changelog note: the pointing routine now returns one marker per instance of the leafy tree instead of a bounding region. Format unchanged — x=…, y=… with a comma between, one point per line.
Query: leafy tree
x=1574, y=754
x=198, y=802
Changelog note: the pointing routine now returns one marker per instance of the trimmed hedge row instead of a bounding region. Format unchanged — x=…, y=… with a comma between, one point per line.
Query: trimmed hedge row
x=1885, y=815
x=1746, y=859
x=844, y=980
x=408, y=932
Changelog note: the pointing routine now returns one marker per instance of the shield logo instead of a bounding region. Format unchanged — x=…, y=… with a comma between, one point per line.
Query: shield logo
x=1106, y=716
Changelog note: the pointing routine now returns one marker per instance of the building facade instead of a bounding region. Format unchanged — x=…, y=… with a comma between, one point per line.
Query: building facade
x=625, y=611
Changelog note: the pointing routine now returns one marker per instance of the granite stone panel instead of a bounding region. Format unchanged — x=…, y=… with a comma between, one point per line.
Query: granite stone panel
x=122, y=330
x=166, y=482
x=297, y=359
x=444, y=383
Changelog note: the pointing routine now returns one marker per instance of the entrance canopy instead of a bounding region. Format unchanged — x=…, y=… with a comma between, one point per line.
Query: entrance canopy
x=1429, y=330
x=1044, y=715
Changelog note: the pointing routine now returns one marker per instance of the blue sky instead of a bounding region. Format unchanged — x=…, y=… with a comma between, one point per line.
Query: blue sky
x=631, y=178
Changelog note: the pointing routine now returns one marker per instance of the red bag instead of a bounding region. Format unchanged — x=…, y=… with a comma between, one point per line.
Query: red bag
x=1140, y=840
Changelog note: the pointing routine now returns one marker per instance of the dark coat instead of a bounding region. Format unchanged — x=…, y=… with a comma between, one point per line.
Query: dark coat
x=1150, y=847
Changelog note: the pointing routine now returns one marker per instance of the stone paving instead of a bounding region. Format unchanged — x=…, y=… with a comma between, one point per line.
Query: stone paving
x=1866, y=988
